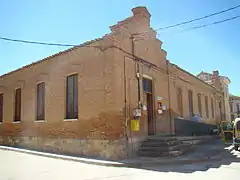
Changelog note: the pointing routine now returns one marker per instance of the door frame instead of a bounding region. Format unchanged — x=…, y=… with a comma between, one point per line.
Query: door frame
x=153, y=101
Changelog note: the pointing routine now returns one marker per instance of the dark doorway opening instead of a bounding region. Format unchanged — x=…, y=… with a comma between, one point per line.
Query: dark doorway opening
x=147, y=88
x=150, y=114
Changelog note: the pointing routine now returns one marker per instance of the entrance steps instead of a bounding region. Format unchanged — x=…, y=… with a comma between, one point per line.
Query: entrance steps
x=156, y=146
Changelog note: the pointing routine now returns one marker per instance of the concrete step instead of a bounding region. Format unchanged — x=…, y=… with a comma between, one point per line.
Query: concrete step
x=155, y=143
x=159, y=146
x=174, y=153
x=161, y=138
x=164, y=148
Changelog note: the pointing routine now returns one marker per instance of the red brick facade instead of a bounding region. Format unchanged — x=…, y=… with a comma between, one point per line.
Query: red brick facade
x=107, y=93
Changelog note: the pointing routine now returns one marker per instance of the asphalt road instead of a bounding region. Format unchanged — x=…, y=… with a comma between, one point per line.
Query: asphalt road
x=20, y=166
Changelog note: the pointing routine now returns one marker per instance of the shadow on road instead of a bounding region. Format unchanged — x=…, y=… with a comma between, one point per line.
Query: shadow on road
x=226, y=154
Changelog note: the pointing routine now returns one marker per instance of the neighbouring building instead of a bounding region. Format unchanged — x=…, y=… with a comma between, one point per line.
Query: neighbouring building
x=82, y=101
x=220, y=82
x=234, y=103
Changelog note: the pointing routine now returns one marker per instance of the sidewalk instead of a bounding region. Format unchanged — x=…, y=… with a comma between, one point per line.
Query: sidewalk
x=202, y=153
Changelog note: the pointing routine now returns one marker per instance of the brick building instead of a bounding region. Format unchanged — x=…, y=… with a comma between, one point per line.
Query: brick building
x=81, y=101
x=221, y=83
x=234, y=103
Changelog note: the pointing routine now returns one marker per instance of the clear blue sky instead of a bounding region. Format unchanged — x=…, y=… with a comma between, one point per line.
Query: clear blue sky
x=76, y=21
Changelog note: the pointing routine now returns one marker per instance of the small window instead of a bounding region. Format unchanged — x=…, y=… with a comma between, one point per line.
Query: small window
x=220, y=104
x=1, y=107
x=190, y=99
x=72, y=97
x=180, y=101
x=231, y=106
x=41, y=101
x=18, y=99
x=212, y=108
x=206, y=106
x=147, y=85
x=200, y=104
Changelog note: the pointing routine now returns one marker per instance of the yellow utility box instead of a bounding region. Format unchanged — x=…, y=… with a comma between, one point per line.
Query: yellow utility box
x=135, y=125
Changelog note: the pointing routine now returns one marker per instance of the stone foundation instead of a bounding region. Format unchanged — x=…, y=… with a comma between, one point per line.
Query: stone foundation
x=102, y=149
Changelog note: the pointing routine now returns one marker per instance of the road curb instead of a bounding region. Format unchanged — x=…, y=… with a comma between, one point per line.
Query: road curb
x=112, y=163
x=64, y=157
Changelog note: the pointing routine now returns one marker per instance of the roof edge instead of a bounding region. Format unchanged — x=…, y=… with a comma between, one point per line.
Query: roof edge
x=234, y=97
x=194, y=77
x=52, y=56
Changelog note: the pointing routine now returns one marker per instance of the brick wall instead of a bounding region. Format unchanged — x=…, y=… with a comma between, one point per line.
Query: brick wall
x=100, y=113
x=152, y=63
x=108, y=93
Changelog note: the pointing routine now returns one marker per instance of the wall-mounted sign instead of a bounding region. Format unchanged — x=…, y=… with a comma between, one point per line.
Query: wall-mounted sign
x=137, y=112
x=144, y=107
x=164, y=107
x=160, y=111
x=159, y=98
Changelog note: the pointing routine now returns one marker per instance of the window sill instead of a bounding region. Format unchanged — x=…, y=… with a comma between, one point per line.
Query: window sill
x=16, y=122
x=70, y=120
x=40, y=121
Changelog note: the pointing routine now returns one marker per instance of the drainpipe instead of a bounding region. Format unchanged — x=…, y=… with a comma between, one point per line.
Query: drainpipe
x=169, y=96
x=137, y=71
x=138, y=80
x=125, y=104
